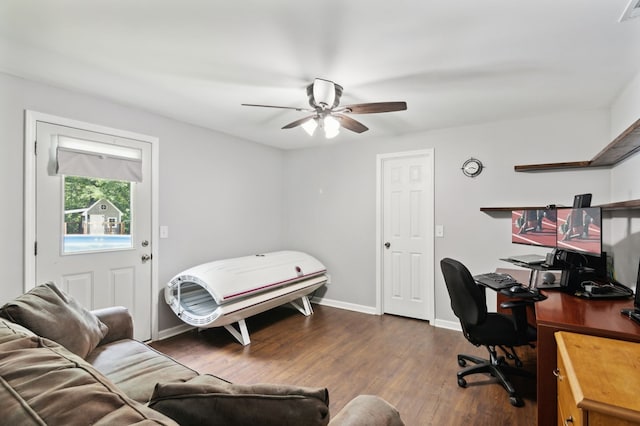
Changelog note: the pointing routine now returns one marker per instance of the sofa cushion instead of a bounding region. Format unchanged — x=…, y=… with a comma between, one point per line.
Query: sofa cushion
x=12, y=331
x=42, y=383
x=136, y=368
x=209, y=400
x=365, y=410
x=50, y=313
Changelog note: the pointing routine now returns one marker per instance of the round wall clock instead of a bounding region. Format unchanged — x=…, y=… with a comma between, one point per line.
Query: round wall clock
x=472, y=167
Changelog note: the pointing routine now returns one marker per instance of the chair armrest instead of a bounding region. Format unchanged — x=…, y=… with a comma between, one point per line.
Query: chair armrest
x=367, y=410
x=119, y=321
x=518, y=312
x=516, y=304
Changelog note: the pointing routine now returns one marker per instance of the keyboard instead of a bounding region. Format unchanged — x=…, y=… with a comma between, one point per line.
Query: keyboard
x=495, y=280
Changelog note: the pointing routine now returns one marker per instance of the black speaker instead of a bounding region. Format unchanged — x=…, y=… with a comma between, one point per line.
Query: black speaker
x=581, y=201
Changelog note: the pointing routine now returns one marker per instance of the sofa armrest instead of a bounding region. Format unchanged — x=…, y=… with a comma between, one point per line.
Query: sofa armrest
x=119, y=321
x=367, y=410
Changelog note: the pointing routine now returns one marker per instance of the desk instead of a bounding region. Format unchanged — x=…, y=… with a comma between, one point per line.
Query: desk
x=563, y=312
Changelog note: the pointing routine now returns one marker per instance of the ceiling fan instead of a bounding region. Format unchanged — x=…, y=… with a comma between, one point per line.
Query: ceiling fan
x=324, y=99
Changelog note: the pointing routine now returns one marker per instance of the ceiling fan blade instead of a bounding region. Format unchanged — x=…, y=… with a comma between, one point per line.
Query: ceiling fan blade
x=350, y=124
x=298, y=122
x=275, y=106
x=374, y=107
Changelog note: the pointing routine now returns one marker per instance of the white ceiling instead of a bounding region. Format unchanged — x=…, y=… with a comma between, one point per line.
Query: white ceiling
x=454, y=62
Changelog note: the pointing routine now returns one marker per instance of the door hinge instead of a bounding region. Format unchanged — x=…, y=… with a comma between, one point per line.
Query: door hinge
x=35, y=248
x=35, y=147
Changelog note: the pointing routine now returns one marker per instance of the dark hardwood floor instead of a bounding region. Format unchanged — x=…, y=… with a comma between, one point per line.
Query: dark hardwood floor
x=407, y=362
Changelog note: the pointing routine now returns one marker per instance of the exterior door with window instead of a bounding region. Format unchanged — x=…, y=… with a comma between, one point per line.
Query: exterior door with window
x=93, y=219
x=406, y=246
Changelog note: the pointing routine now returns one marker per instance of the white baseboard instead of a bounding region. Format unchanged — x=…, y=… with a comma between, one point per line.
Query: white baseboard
x=451, y=325
x=345, y=305
x=174, y=331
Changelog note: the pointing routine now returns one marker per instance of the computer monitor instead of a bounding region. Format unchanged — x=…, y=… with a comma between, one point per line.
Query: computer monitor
x=580, y=230
x=535, y=227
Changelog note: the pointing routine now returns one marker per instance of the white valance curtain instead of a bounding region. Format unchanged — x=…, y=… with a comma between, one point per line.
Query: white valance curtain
x=78, y=157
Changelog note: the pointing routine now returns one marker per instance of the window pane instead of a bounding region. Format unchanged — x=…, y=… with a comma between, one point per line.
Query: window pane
x=97, y=215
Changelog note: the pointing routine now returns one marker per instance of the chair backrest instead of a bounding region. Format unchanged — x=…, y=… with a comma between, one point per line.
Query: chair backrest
x=468, y=301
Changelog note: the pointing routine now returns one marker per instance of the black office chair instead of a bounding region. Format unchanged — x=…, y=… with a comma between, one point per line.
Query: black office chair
x=488, y=329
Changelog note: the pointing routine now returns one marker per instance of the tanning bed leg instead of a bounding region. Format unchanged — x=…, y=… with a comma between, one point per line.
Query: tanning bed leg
x=306, y=308
x=243, y=335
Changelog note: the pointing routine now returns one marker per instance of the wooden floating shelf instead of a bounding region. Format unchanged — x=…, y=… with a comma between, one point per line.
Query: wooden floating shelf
x=552, y=166
x=509, y=209
x=621, y=205
x=622, y=147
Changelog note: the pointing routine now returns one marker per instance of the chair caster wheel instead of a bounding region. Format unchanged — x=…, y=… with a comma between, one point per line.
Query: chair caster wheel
x=462, y=362
x=462, y=382
x=515, y=401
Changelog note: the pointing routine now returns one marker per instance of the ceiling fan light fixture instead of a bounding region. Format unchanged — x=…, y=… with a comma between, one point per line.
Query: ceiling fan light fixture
x=331, y=127
x=324, y=92
x=310, y=126
x=324, y=98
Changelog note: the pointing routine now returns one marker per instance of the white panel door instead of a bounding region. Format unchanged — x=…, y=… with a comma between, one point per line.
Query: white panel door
x=104, y=260
x=407, y=235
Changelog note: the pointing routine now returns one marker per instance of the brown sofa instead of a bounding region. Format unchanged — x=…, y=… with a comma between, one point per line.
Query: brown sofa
x=63, y=365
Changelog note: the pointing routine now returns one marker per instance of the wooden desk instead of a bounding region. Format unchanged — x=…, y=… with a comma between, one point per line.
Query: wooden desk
x=563, y=312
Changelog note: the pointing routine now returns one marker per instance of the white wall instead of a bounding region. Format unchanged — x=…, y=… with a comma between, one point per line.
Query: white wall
x=330, y=194
x=625, y=110
x=221, y=197
x=625, y=178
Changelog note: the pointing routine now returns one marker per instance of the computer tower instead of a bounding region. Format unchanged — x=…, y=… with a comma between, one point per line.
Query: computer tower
x=581, y=267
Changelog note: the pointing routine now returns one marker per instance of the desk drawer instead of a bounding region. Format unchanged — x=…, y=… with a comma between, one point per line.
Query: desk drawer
x=568, y=412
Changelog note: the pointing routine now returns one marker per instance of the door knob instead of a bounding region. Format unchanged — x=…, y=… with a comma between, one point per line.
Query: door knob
x=387, y=244
x=146, y=257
